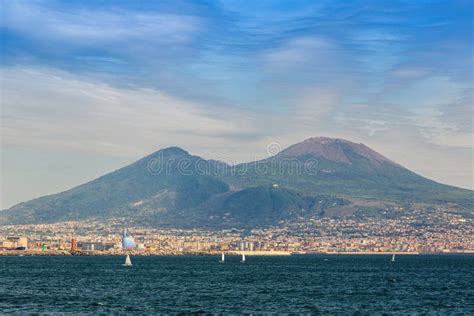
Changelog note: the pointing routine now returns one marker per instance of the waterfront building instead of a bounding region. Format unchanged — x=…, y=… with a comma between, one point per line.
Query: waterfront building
x=73, y=244
x=100, y=246
x=12, y=243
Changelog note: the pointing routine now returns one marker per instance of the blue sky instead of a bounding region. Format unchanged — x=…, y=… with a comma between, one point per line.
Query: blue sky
x=88, y=86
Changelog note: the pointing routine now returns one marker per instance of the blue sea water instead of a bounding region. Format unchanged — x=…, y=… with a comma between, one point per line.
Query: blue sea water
x=440, y=284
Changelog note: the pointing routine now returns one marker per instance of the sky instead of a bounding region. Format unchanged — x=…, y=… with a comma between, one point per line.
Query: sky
x=87, y=87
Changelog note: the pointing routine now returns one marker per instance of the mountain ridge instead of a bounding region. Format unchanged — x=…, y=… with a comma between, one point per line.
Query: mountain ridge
x=174, y=188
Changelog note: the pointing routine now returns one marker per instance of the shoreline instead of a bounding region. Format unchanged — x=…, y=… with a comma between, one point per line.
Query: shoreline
x=377, y=253
x=65, y=253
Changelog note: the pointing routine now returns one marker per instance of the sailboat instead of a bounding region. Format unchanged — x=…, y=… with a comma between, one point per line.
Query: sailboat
x=393, y=258
x=243, y=258
x=128, y=262
x=222, y=258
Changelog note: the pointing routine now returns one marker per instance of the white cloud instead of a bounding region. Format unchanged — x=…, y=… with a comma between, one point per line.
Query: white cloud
x=57, y=110
x=96, y=26
x=438, y=131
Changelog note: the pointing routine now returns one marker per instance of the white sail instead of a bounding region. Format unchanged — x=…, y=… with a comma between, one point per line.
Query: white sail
x=393, y=257
x=222, y=257
x=243, y=257
x=128, y=262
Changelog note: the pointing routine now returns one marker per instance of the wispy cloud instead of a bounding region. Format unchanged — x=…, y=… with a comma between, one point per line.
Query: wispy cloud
x=88, y=27
x=436, y=130
x=57, y=110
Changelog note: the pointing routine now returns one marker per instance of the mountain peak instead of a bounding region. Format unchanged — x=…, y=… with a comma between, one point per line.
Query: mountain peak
x=333, y=149
x=171, y=151
x=165, y=153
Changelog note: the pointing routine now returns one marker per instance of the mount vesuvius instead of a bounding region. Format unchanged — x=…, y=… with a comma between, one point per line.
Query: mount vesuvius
x=317, y=177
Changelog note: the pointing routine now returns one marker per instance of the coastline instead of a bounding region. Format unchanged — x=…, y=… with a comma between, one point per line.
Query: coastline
x=59, y=253
x=375, y=253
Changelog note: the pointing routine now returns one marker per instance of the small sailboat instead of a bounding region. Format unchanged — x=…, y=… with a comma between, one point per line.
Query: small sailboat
x=128, y=262
x=393, y=258
x=222, y=258
x=243, y=258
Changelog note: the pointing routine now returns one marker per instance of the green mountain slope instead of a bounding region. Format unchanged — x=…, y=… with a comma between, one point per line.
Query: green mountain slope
x=345, y=169
x=141, y=185
x=175, y=189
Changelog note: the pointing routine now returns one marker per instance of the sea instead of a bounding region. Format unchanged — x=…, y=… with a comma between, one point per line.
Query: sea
x=301, y=284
